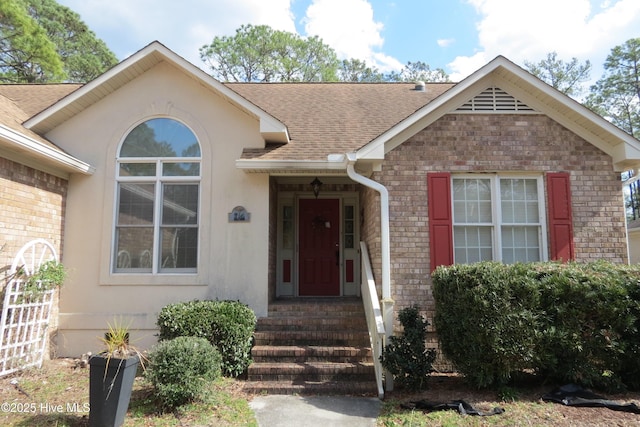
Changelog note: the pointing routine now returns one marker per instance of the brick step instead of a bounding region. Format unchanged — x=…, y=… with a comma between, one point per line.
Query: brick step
x=312, y=338
x=297, y=354
x=312, y=346
x=314, y=322
x=311, y=371
x=352, y=388
x=321, y=307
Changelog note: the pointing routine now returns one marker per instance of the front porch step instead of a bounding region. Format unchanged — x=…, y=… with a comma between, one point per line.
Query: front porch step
x=311, y=338
x=320, y=307
x=311, y=371
x=312, y=345
x=299, y=354
x=347, y=388
x=290, y=322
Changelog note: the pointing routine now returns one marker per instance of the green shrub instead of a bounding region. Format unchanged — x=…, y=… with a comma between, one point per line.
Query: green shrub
x=406, y=356
x=228, y=325
x=567, y=322
x=485, y=315
x=586, y=308
x=181, y=368
x=630, y=358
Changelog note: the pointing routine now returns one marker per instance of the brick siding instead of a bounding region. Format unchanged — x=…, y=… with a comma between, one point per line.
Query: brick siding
x=491, y=143
x=33, y=206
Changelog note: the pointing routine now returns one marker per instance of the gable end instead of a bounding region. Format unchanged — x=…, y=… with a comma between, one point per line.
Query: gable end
x=494, y=100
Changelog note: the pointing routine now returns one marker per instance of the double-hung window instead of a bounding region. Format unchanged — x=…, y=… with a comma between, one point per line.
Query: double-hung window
x=498, y=218
x=158, y=198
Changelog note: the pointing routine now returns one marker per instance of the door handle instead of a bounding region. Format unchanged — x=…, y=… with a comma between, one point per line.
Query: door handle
x=338, y=257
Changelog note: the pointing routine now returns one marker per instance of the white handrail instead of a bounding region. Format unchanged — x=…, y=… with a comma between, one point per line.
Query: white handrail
x=375, y=322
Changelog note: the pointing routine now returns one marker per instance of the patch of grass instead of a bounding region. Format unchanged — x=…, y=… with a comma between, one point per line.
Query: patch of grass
x=58, y=394
x=221, y=405
x=516, y=414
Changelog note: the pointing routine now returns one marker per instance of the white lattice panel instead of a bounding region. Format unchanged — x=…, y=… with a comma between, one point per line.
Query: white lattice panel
x=25, y=318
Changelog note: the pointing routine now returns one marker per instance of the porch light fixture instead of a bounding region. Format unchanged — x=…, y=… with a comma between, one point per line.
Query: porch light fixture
x=316, y=184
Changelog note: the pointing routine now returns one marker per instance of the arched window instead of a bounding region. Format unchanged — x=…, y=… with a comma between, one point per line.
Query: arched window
x=158, y=189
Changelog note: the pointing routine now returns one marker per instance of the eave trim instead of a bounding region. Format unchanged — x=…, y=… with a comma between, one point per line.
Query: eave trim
x=57, y=157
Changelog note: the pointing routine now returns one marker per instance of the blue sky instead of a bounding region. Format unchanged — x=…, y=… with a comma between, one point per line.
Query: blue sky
x=457, y=35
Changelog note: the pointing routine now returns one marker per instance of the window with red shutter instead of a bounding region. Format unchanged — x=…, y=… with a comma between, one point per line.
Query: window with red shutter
x=485, y=217
x=560, y=216
x=440, y=218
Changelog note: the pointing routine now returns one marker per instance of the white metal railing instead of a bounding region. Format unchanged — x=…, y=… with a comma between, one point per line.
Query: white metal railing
x=375, y=321
x=25, y=317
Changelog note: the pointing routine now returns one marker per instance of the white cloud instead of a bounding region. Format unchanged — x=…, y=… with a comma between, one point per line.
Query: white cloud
x=465, y=65
x=529, y=29
x=184, y=26
x=445, y=42
x=349, y=27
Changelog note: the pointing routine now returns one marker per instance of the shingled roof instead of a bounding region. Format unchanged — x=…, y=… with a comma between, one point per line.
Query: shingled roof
x=18, y=102
x=322, y=118
x=330, y=118
x=33, y=98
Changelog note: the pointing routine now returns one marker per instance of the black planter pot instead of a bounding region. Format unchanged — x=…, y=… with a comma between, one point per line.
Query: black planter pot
x=109, y=394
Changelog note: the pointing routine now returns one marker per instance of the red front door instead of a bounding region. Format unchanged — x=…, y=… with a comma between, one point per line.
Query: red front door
x=319, y=248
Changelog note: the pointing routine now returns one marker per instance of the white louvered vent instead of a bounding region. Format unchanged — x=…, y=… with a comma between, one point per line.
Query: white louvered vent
x=496, y=100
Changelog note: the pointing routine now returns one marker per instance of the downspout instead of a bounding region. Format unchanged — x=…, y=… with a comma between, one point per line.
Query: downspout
x=386, y=303
x=384, y=221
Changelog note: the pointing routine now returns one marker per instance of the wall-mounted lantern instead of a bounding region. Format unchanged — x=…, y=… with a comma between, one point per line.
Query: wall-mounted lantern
x=316, y=184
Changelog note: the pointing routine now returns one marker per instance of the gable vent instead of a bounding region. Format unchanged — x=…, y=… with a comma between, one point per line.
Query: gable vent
x=496, y=100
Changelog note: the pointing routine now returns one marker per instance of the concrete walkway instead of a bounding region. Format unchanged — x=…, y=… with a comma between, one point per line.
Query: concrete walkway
x=315, y=411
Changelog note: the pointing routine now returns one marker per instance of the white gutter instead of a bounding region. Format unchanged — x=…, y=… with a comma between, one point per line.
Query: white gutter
x=61, y=158
x=384, y=222
x=333, y=163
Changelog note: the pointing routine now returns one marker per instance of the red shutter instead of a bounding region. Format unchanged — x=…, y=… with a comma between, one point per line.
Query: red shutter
x=560, y=218
x=440, y=218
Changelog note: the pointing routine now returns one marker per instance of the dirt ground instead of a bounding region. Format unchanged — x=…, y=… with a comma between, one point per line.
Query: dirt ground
x=525, y=406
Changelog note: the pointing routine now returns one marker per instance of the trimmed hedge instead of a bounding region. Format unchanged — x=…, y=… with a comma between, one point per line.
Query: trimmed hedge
x=568, y=322
x=228, y=325
x=180, y=369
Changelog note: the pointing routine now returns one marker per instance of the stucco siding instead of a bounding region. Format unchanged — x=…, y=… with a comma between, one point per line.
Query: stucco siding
x=233, y=257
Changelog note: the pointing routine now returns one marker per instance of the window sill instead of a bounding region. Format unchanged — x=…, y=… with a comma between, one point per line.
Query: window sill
x=164, y=279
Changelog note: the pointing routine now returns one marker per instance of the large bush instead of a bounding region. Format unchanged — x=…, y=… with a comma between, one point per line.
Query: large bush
x=228, y=325
x=568, y=322
x=587, y=313
x=484, y=318
x=181, y=368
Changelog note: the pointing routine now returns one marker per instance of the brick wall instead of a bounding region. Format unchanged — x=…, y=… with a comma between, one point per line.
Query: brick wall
x=32, y=205
x=490, y=143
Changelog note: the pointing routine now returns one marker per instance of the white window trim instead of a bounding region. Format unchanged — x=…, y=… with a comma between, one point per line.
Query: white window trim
x=158, y=179
x=496, y=212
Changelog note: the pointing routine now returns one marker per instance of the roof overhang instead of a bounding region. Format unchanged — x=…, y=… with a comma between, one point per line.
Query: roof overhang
x=271, y=128
x=334, y=164
x=24, y=149
x=622, y=147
